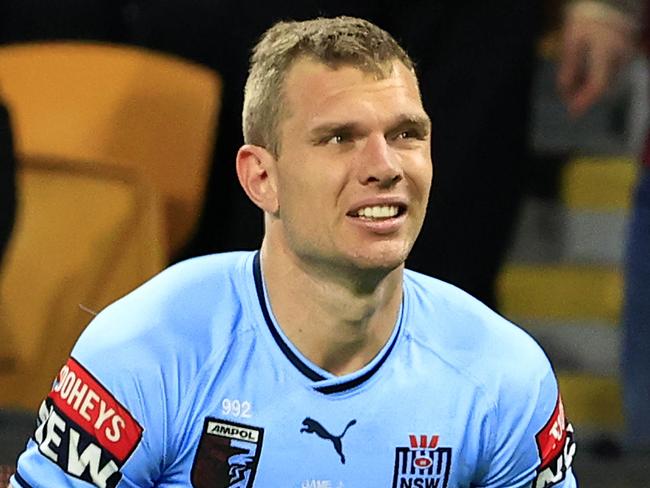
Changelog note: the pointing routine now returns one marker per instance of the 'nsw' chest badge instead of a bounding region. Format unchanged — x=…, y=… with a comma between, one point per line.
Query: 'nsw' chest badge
x=227, y=455
x=422, y=464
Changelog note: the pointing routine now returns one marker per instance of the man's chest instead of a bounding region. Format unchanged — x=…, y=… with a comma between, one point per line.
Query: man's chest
x=278, y=434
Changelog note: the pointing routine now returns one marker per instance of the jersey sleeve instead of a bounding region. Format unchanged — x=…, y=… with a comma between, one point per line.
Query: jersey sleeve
x=104, y=420
x=117, y=409
x=532, y=442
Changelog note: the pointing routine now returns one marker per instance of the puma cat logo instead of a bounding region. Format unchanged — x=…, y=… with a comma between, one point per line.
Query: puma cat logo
x=312, y=426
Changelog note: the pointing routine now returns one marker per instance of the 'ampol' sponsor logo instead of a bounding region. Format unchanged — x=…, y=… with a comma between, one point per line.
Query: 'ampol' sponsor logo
x=227, y=455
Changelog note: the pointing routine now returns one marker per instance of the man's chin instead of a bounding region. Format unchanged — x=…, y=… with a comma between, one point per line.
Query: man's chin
x=373, y=261
x=385, y=260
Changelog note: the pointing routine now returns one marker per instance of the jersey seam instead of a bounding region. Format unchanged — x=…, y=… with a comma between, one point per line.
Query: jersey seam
x=186, y=404
x=234, y=334
x=478, y=383
x=491, y=402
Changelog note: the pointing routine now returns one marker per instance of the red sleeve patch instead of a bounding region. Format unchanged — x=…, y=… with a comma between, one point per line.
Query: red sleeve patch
x=551, y=439
x=82, y=399
x=84, y=429
x=556, y=448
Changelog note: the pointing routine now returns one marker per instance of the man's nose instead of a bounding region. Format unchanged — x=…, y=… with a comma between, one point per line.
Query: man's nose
x=379, y=163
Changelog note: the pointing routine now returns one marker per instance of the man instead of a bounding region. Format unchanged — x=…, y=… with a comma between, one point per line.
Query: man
x=318, y=361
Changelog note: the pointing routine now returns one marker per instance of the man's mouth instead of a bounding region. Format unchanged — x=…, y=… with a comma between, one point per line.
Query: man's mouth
x=378, y=212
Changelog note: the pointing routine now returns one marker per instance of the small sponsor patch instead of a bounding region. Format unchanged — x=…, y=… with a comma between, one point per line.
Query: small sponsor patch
x=422, y=464
x=84, y=429
x=556, y=447
x=227, y=455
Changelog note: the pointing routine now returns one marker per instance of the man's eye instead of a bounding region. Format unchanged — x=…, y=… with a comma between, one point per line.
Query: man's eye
x=408, y=134
x=337, y=139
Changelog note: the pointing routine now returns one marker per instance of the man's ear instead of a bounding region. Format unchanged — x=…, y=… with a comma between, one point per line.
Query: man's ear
x=256, y=173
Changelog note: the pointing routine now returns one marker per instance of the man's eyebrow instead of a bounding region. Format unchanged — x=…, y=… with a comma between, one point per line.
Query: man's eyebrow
x=422, y=122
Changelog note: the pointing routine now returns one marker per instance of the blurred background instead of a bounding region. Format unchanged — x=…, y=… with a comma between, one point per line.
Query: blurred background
x=120, y=123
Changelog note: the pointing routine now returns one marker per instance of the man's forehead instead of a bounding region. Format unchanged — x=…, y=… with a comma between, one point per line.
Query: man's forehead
x=305, y=64
x=309, y=80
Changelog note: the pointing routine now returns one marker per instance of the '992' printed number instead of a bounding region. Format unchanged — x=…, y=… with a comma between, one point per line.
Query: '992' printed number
x=236, y=408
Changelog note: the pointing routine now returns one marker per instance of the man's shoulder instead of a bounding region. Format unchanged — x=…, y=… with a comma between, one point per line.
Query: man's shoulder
x=200, y=274
x=192, y=286
x=505, y=367
x=185, y=311
x=471, y=337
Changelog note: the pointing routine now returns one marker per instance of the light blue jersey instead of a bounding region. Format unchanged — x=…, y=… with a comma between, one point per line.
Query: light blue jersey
x=189, y=381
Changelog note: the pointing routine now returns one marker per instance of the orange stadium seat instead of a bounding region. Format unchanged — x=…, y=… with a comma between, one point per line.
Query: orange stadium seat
x=83, y=237
x=114, y=145
x=119, y=106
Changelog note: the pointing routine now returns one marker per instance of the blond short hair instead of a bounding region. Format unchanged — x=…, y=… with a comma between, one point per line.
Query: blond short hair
x=331, y=41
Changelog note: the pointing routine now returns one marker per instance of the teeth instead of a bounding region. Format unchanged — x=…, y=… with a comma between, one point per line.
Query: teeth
x=378, y=212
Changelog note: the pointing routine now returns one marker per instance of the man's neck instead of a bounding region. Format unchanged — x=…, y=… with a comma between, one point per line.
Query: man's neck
x=339, y=322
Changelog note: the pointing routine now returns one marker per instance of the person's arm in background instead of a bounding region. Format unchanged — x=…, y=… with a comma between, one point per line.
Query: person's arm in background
x=598, y=39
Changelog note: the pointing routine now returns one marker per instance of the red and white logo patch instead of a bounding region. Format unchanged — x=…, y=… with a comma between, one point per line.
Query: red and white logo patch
x=84, y=429
x=556, y=448
x=93, y=408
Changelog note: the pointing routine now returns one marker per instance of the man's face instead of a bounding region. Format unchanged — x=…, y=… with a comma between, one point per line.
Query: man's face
x=354, y=170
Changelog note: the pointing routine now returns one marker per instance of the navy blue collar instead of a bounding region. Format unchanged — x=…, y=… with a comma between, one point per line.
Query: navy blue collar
x=303, y=367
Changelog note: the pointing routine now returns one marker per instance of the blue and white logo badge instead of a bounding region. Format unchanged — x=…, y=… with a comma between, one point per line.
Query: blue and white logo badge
x=423, y=464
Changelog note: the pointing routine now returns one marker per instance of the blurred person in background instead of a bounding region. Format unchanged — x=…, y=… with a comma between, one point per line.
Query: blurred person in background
x=599, y=38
